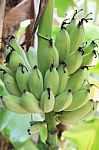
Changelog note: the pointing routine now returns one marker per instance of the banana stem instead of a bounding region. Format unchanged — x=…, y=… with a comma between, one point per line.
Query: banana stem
x=52, y=131
x=45, y=29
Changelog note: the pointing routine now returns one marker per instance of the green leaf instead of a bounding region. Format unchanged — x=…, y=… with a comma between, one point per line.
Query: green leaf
x=5, y=117
x=62, y=6
x=85, y=135
x=16, y=129
x=92, y=32
x=28, y=145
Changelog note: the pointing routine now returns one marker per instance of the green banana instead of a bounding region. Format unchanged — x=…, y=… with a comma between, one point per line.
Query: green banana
x=22, y=77
x=88, y=58
x=76, y=80
x=92, y=111
x=51, y=55
x=90, y=47
x=73, y=22
x=51, y=80
x=77, y=37
x=71, y=117
x=63, y=101
x=15, y=45
x=13, y=59
x=30, y=103
x=32, y=56
x=11, y=84
x=74, y=61
x=80, y=98
x=63, y=77
x=47, y=100
x=62, y=42
x=13, y=103
x=36, y=82
x=3, y=69
x=46, y=32
x=7, y=50
x=35, y=127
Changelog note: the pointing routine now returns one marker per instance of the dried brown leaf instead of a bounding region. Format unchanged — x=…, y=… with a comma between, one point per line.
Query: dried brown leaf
x=17, y=14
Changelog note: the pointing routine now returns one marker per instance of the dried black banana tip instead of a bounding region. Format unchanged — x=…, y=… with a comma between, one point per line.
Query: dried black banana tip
x=76, y=12
x=1, y=97
x=87, y=67
x=95, y=44
x=24, y=91
x=35, y=67
x=64, y=23
x=70, y=90
x=52, y=66
x=80, y=49
x=22, y=67
x=51, y=42
x=85, y=19
x=9, y=38
x=3, y=71
x=48, y=89
x=95, y=53
x=8, y=57
x=91, y=100
x=88, y=90
x=28, y=130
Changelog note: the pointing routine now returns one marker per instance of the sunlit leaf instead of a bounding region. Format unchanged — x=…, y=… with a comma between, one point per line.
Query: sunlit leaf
x=85, y=135
x=62, y=6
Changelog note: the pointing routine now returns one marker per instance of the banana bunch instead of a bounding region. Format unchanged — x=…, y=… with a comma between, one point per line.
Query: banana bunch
x=59, y=85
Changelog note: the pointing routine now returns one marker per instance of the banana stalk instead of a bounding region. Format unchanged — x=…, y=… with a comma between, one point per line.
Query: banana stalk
x=45, y=28
x=52, y=131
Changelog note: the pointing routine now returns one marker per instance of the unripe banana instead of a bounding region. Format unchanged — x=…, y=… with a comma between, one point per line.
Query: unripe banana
x=51, y=80
x=36, y=82
x=35, y=127
x=88, y=58
x=3, y=69
x=80, y=98
x=71, y=117
x=70, y=27
x=13, y=103
x=92, y=111
x=15, y=44
x=7, y=50
x=13, y=59
x=76, y=80
x=63, y=77
x=11, y=85
x=73, y=22
x=32, y=56
x=77, y=37
x=63, y=101
x=47, y=100
x=22, y=77
x=90, y=47
x=74, y=61
x=62, y=42
x=51, y=55
x=30, y=103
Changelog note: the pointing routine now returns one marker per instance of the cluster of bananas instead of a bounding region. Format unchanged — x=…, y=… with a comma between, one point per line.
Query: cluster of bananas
x=60, y=84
